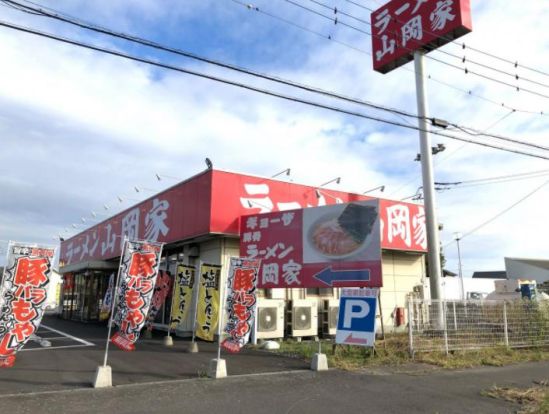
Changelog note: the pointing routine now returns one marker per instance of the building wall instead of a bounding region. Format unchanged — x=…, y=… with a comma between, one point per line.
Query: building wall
x=517, y=269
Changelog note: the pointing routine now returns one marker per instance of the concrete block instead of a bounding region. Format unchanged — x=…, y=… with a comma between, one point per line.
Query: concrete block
x=218, y=368
x=168, y=341
x=319, y=362
x=103, y=377
x=193, y=348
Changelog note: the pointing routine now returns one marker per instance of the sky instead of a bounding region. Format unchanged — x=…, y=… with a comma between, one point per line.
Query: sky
x=79, y=128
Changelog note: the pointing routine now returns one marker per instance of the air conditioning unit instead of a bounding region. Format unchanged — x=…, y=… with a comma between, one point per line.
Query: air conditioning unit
x=303, y=318
x=330, y=315
x=270, y=318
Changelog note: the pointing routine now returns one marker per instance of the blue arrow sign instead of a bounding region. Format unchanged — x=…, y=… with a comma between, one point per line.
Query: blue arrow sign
x=328, y=276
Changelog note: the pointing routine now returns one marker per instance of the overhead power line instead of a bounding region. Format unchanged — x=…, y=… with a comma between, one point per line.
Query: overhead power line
x=253, y=88
x=365, y=52
x=463, y=46
x=516, y=203
x=465, y=70
x=463, y=59
x=308, y=88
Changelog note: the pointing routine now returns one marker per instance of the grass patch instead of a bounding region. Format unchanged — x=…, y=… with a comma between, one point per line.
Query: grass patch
x=393, y=351
x=533, y=400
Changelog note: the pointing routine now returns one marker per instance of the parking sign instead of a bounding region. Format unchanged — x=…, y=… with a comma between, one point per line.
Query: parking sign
x=357, y=317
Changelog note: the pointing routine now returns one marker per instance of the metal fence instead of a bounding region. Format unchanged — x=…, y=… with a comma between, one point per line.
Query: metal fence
x=443, y=325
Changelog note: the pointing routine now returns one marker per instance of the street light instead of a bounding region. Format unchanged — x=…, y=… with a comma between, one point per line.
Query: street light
x=337, y=180
x=381, y=188
x=457, y=237
x=287, y=171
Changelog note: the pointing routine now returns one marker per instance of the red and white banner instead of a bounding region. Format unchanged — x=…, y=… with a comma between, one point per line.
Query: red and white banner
x=330, y=246
x=241, y=302
x=161, y=291
x=401, y=27
x=22, y=296
x=214, y=201
x=138, y=273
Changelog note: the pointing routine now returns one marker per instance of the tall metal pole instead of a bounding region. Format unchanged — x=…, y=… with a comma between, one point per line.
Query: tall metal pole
x=433, y=247
x=458, y=238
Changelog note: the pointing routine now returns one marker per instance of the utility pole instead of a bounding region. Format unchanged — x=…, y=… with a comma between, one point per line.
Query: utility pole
x=457, y=236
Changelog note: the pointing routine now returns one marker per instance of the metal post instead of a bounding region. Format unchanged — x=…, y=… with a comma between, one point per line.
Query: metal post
x=223, y=288
x=410, y=327
x=428, y=184
x=505, y=326
x=458, y=238
x=445, y=327
x=455, y=319
x=114, y=297
x=197, y=278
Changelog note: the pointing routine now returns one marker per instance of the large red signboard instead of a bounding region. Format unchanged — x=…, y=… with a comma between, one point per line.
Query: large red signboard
x=330, y=246
x=214, y=201
x=403, y=26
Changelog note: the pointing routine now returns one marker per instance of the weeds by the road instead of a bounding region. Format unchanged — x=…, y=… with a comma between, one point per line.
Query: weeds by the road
x=393, y=351
x=534, y=400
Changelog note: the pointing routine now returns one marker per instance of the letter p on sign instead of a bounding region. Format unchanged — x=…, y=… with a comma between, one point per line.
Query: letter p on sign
x=355, y=309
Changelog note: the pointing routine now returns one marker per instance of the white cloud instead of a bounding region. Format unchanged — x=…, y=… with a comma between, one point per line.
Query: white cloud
x=75, y=123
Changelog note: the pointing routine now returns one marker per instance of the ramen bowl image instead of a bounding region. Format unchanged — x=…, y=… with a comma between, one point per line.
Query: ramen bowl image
x=341, y=235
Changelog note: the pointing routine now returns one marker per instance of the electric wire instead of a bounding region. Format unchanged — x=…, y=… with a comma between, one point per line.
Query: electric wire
x=463, y=59
x=485, y=223
x=362, y=51
x=308, y=88
x=253, y=88
x=464, y=46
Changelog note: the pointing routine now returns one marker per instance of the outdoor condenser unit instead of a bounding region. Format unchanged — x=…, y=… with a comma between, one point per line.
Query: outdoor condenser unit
x=270, y=318
x=330, y=315
x=303, y=318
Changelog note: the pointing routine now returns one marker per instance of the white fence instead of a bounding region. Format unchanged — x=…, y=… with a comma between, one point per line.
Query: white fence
x=441, y=325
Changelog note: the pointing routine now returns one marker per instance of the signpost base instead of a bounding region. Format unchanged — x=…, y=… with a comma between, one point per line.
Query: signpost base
x=168, y=341
x=193, y=348
x=103, y=377
x=218, y=368
x=319, y=362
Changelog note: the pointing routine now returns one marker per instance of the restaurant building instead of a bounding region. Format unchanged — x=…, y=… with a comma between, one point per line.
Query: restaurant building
x=198, y=219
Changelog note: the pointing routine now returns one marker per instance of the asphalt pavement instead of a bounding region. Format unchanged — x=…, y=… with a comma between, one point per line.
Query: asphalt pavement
x=57, y=378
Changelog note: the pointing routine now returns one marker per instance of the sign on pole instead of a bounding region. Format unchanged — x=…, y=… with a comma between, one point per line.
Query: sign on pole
x=138, y=273
x=357, y=317
x=401, y=27
x=23, y=295
x=329, y=246
x=182, y=294
x=241, y=302
x=207, y=315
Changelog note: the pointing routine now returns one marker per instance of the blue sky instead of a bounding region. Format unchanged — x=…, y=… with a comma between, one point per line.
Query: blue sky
x=74, y=124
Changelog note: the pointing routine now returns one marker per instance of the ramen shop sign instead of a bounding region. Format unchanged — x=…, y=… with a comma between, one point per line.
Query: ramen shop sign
x=330, y=246
x=403, y=26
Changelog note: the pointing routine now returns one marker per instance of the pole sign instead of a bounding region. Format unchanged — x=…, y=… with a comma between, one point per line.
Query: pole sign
x=23, y=295
x=324, y=247
x=401, y=27
x=357, y=317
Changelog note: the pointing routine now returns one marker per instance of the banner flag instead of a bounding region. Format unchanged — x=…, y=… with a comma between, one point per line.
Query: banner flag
x=161, y=290
x=23, y=295
x=106, y=305
x=207, y=314
x=138, y=272
x=241, y=302
x=182, y=294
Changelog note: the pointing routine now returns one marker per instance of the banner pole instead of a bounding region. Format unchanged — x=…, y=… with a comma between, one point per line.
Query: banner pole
x=223, y=287
x=115, y=296
x=197, y=278
x=174, y=286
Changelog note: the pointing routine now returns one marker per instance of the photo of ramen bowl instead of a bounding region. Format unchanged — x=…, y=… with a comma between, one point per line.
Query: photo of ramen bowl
x=340, y=235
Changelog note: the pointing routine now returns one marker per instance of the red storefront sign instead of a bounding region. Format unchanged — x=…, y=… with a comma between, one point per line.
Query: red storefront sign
x=403, y=26
x=330, y=246
x=214, y=201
